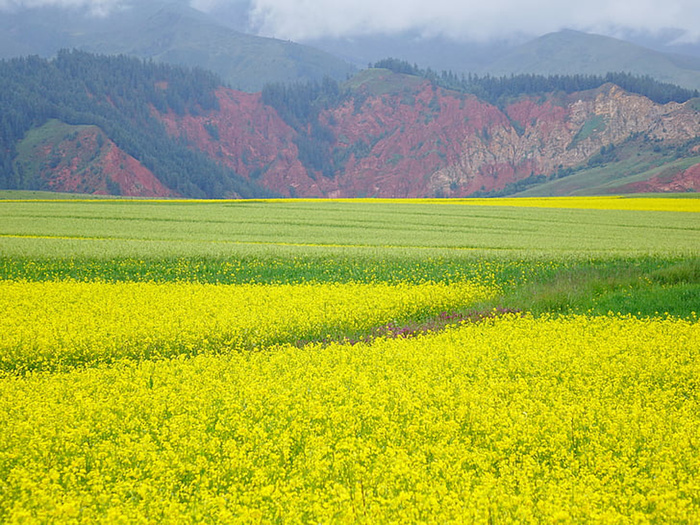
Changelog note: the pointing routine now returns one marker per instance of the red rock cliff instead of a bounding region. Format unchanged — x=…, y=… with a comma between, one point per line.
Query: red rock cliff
x=423, y=141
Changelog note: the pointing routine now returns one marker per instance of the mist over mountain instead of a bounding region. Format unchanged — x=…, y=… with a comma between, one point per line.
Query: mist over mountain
x=464, y=21
x=247, y=42
x=170, y=32
x=437, y=52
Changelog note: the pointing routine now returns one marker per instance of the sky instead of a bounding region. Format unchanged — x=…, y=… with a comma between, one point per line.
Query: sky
x=476, y=20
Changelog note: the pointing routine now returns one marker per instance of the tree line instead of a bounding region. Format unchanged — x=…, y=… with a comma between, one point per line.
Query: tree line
x=497, y=90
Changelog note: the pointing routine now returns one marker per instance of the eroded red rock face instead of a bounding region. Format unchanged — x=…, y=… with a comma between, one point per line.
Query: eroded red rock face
x=395, y=136
x=250, y=138
x=411, y=138
x=88, y=162
x=424, y=141
x=133, y=178
x=391, y=144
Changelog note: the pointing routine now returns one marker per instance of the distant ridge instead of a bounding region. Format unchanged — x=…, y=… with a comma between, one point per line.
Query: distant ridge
x=572, y=52
x=169, y=32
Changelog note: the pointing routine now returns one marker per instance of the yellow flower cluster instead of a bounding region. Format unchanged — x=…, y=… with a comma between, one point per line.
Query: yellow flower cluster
x=514, y=419
x=614, y=202
x=48, y=325
x=606, y=202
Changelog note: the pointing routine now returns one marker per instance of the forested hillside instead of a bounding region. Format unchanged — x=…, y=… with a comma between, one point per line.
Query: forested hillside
x=498, y=89
x=122, y=97
x=116, y=125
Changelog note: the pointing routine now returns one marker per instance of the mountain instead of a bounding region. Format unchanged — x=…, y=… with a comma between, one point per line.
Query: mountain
x=397, y=135
x=178, y=34
x=572, y=52
x=115, y=125
x=564, y=52
x=169, y=32
x=65, y=123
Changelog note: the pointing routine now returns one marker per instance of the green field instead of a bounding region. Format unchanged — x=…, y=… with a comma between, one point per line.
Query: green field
x=228, y=228
x=545, y=259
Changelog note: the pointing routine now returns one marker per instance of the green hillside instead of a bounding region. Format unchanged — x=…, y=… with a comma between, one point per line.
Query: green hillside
x=572, y=52
x=634, y=162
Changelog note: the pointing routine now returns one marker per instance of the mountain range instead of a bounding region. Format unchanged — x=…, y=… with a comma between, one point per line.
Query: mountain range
x=115, y=125
x=171, y=31
x=202, y=109
x=168, y=32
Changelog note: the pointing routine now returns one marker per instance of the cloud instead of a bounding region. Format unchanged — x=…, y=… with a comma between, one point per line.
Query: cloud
x=470, y=19
x=94, y=7
x=206, y=5
x=459, y=19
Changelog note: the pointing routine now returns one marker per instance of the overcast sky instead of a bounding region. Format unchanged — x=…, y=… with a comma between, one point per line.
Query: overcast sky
x=465, y=19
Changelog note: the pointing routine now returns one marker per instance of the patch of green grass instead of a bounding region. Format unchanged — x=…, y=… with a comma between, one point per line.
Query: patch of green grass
x=682, y=272
x=52, y=131
x=637, y=286
x=379, y=81
x=679, y=300
x=595, y=124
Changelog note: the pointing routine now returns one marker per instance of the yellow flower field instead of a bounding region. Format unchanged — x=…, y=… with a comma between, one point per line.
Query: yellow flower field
x=330, y=361
x=610, y=202
x=47, y=325
x=606, y=202
x=516, y=419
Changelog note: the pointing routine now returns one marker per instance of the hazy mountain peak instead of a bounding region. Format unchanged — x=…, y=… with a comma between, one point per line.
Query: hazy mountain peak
x=575, y=52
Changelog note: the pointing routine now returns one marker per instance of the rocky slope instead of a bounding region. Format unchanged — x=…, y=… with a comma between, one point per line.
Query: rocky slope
x=418, y=140
x=82, y=159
